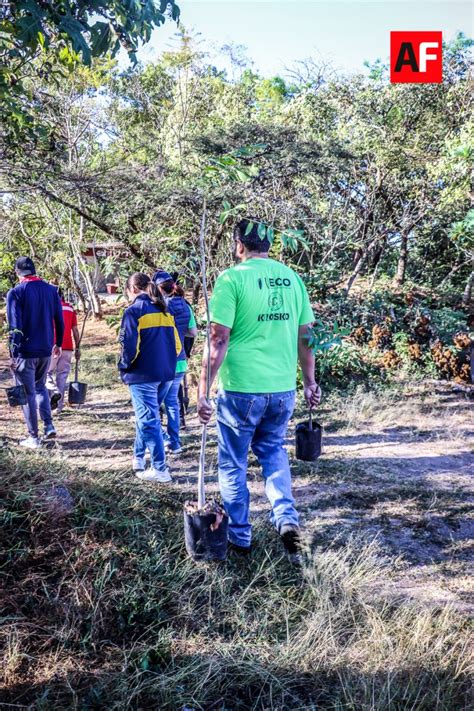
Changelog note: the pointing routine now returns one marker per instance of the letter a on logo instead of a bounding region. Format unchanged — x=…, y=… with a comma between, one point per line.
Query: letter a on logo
x=406, y=55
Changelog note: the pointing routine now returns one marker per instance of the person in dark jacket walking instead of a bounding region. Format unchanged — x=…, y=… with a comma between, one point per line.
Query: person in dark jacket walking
x=36, y=327
x=150, y=347
x=186, y=324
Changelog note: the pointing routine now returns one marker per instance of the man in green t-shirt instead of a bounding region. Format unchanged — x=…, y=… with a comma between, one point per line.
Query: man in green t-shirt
x=260, y=317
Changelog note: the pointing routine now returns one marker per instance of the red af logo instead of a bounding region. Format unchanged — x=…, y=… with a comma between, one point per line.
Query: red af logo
x=416, y=57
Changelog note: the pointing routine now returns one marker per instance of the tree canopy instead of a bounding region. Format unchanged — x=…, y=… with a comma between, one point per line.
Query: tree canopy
x=41, y=40
x=354, y=177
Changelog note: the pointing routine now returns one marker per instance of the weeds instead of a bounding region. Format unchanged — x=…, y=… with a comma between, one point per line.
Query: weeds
x=101, y=608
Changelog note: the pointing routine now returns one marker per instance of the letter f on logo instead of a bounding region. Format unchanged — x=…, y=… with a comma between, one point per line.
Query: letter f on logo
x=424, y=56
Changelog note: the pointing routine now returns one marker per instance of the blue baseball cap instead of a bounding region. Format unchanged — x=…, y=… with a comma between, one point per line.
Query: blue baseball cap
x=25, y=266
x=160, y=277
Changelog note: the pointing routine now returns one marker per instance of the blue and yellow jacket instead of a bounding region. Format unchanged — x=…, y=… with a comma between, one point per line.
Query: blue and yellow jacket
x=150, y=343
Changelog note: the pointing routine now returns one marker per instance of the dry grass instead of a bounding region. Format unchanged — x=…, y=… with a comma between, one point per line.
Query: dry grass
x=102, y=609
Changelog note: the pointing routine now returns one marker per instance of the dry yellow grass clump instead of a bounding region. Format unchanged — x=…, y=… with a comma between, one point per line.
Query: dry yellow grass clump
x=390, y=360
x=462, y=340
x=359, y=334
x=415, y=352
x=381, y=336
x=450, y=364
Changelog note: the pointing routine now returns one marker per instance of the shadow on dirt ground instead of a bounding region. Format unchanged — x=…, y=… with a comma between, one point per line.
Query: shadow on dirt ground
x=397, y=467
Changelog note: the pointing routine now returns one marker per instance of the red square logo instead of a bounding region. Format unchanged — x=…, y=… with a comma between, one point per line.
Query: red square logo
x=416, y=57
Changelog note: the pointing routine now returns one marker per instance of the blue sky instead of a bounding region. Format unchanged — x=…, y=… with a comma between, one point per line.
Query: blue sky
x=278, y=33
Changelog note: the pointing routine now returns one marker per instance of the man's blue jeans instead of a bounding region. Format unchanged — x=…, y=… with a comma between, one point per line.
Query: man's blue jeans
x=146, y=400
x=32, y=373
x=172, y=412
x=258, y=421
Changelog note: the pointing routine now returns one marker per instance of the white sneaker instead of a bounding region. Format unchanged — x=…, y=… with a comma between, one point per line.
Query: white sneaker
x=31, y=443
x=176, y=450
x=160, y=476
x=138, y=464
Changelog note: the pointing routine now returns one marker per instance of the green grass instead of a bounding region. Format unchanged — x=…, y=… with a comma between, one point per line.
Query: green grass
x=102, y=609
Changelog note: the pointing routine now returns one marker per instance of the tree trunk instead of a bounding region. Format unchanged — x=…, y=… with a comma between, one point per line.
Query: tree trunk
x=467, y=295
x=196, y=292
x=402, y=260
x=355, y=272
x=81, y=267
x=119, y=236
x=77, y=288
x=93, y=298
x=80, y=295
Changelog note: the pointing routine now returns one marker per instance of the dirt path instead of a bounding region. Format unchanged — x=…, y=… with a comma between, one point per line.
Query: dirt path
x=397, y=466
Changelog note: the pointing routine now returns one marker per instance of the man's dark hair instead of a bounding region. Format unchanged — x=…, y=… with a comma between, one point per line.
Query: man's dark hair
x=251, y=240
x=24, y=266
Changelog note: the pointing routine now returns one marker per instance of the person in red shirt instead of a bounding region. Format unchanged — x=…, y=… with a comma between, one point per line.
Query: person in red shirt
x=60, y=366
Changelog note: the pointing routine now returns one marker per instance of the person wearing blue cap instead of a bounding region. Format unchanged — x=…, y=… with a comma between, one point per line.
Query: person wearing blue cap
x=186, y=324
x=36, y=328
x=150, y=346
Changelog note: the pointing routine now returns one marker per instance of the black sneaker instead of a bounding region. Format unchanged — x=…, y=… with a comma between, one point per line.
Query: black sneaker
x=49, y=432
x=240, y=550
x=54, y=400
x=291, y=539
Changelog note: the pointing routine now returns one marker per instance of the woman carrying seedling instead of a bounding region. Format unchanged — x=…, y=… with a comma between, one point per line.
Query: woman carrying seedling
x=186, y=325
x=150, y=347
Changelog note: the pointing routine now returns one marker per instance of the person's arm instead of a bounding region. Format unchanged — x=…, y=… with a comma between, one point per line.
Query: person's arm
x=312, y=391
x=77, y=342
x=58, y=325
x=15, y=325
x=222, y=307
x=128, y=339
x=192, y=326
x=219, y=338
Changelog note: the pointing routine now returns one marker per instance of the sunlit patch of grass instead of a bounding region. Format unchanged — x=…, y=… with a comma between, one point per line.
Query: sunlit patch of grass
x=417, y=409
x=98, y=367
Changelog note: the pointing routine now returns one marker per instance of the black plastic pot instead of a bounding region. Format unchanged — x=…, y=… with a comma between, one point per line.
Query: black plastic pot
x=202, y=543
x=16, y=396
x=77, y=393
x=308, y=441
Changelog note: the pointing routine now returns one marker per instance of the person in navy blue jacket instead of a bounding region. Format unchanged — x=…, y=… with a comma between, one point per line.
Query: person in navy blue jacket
x=150, y=346
x=186, y=324
x=36, y=328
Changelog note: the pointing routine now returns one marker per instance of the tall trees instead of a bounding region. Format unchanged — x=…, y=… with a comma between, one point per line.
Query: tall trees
x=377, y=176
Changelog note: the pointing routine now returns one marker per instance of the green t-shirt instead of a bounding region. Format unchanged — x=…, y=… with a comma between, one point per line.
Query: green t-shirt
x=263, y=302
x=182, y=365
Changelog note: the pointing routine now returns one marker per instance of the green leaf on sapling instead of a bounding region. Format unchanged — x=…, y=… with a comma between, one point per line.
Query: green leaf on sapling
x=262, y=231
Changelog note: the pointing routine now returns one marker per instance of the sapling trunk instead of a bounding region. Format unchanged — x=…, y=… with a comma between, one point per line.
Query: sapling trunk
x=80, y=340
x=202, y=456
